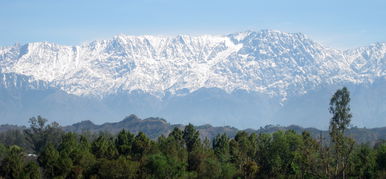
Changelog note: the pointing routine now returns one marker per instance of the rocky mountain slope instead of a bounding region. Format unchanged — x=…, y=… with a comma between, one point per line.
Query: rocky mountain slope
x=253, y=76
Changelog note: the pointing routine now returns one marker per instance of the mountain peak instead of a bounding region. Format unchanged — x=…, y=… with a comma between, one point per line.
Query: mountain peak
x=130, y=118
x=237, y=74
x=265, y=34
x=266, y=61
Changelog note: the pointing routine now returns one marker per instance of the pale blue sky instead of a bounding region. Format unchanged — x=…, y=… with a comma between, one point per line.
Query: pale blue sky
x=335, y=23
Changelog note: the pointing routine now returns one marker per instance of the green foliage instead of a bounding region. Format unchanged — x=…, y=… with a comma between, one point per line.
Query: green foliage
x=243, y=150
x=191, y=137
x=32, y=171
x=363, y=163
x=381, y=158
x=48, y=159
x=209, y=168
x=123, y=142
x=342, y=146
x=174, y=146
x=3, y=151
x=103, y=147
x=221, y=147
x=141, y=146
x=13, y=164
x=56, y=163
x=39, y=134
x=14, y=137
x=308, y=157
x=264, y=155
x=118, y=168
x=79, y=151
x=177, y=135
x=64, y=165
x=228, y=170
x=250, y=169
x=340, y=110
x=161, y=166
x=280, y=154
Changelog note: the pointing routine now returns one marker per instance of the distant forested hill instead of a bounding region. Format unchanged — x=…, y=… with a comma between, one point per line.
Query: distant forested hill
x=155, y=127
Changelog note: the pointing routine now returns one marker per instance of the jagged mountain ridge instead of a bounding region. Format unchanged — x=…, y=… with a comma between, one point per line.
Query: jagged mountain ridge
x=247, y=79
x=267, y=61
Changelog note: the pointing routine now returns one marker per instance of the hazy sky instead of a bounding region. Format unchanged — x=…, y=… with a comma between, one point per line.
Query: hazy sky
x=335, y=23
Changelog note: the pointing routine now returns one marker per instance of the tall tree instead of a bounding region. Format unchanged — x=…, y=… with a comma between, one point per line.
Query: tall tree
x=141, y=145
x=48, y=159
x=340, y=121
x=124, y=141
x=191, y=137
x=340, y=110
x=221, y=147
x=177, y=135
x=103, y=147
x=40, y=134
x=174, y=146
x=308, y=157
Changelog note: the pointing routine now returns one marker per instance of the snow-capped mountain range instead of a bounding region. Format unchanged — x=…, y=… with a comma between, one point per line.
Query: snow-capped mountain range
x=269, y=62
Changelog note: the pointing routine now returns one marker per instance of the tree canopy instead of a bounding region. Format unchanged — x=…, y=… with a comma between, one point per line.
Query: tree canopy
x=182, y=153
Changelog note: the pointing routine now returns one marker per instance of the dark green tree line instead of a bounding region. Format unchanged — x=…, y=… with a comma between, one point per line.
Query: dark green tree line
x=183, y=154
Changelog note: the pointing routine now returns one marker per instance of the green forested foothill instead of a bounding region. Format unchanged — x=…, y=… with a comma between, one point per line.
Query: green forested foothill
x=183, y=154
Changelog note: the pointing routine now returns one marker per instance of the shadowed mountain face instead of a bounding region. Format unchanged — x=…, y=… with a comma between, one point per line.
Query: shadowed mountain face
x=214, y=106
x=247, y=79
x=155, y=127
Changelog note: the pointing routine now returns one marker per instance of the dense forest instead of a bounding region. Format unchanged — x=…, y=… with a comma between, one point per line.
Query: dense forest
x=46, y=151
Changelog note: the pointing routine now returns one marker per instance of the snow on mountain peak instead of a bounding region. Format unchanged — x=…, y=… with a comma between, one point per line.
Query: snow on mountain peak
x=266, y=61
